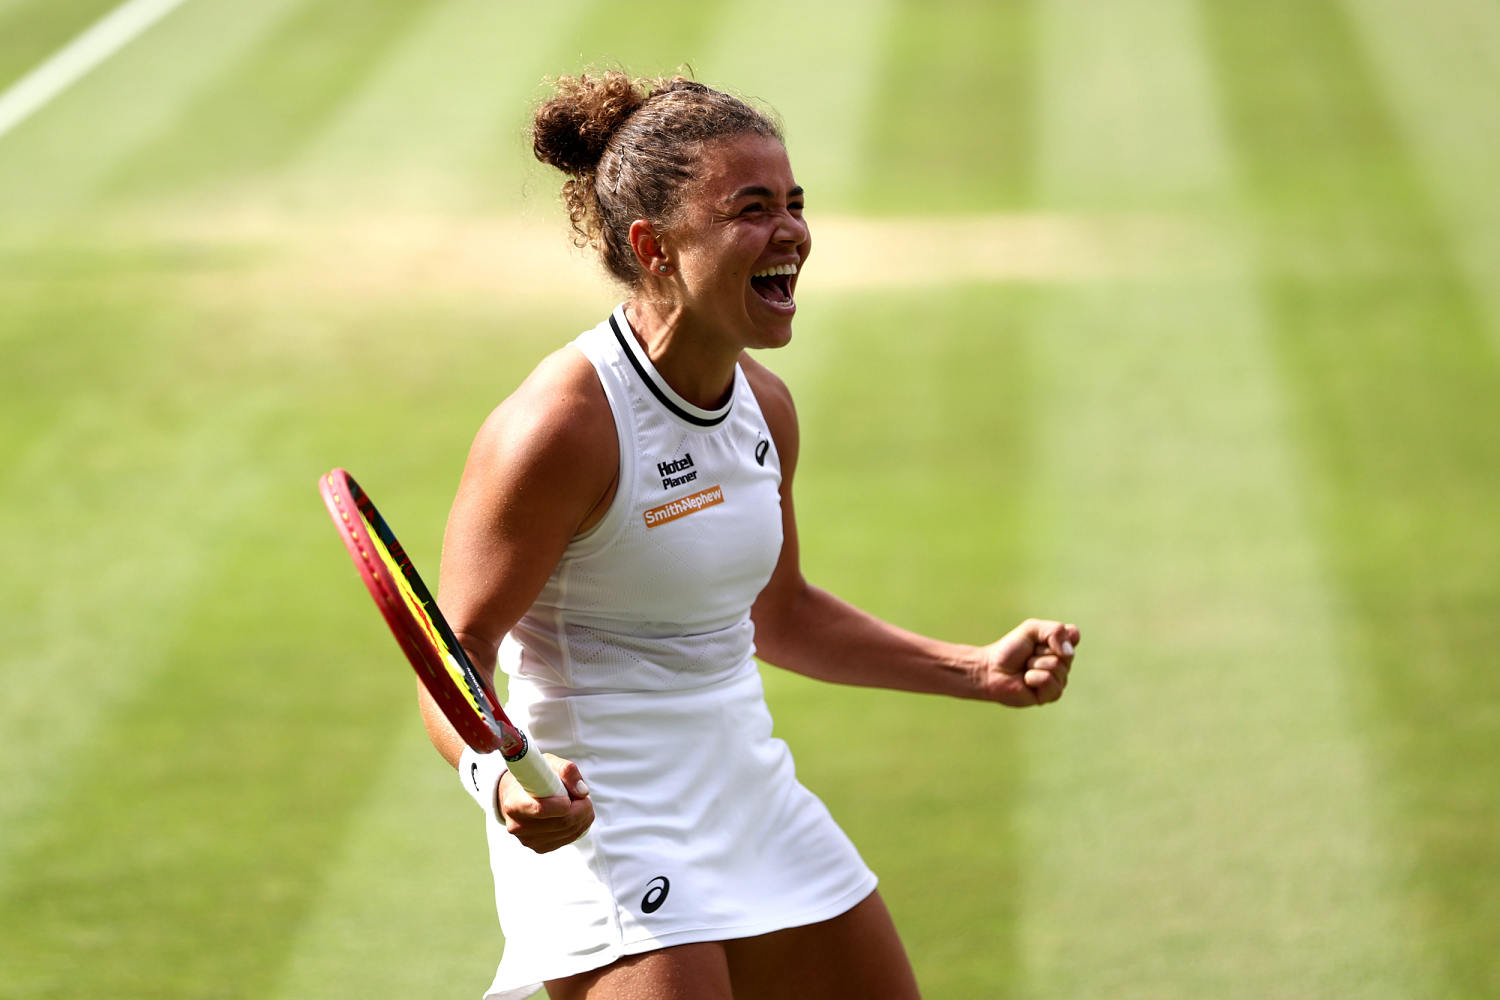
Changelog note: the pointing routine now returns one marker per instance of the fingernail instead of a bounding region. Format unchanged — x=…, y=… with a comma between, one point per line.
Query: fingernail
x=580, y=787
x=1067, y=648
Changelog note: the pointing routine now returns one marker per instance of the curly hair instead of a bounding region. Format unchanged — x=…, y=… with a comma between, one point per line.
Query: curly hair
x=627, y=147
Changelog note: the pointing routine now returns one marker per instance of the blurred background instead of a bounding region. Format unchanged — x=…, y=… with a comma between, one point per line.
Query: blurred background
x=1179, y=320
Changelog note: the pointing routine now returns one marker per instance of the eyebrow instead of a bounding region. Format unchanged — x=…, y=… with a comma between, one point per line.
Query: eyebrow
x=762, y=192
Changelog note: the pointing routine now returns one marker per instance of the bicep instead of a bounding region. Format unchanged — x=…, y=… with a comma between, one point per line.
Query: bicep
x=496, y=554
x=538, y=469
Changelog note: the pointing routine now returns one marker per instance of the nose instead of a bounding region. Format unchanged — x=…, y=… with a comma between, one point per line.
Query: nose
x=792, y=230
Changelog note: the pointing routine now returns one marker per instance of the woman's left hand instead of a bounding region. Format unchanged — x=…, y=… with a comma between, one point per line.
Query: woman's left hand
x=1029, y=665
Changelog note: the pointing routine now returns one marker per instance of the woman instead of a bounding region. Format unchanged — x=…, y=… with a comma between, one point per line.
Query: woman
x=623, y=542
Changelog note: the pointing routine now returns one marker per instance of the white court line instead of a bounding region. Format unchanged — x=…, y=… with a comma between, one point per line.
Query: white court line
x=107, y=36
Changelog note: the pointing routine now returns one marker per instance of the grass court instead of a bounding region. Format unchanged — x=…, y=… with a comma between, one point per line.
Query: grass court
x=1176, y=318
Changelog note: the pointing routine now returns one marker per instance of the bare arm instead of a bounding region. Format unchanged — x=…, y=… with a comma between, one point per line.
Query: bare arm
x=541, y=469
x=810, y=631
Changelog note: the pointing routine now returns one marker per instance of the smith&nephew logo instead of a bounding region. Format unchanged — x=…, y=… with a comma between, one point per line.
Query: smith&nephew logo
x=684, y=506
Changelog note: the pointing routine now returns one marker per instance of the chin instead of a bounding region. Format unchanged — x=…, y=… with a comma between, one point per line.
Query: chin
x=770, y=331
x=770, y=338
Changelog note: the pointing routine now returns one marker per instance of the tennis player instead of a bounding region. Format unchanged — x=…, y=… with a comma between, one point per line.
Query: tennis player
x=623, y=543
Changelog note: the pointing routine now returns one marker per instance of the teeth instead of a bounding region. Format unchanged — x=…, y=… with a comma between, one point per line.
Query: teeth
x=773, y=271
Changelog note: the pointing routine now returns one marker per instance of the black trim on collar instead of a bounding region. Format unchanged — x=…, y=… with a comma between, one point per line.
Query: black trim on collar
x=656, y=390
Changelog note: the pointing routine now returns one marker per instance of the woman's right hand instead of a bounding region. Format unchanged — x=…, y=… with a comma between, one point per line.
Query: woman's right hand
x=546, y=824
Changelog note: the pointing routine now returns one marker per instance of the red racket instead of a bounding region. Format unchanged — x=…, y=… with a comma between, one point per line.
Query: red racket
x=465, y=696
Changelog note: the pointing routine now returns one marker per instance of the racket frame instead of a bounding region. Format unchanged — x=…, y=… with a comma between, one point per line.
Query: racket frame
x=465, y=696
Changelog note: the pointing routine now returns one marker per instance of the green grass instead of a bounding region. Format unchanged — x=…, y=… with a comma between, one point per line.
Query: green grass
x=951, y=128
x=262, y=109
x=31, y=30
x=1263, y=481
x=1390, y=286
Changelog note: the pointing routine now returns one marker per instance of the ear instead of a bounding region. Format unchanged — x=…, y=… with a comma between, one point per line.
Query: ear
x=649, y=252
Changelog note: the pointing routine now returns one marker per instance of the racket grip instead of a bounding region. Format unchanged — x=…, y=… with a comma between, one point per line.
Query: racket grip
x=536, y=775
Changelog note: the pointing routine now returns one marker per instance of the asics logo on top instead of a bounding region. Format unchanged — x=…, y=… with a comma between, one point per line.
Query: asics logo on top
x=760, y=451
x=677, y=472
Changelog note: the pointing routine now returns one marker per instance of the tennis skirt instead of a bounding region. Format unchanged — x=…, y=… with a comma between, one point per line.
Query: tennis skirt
x=701, y=833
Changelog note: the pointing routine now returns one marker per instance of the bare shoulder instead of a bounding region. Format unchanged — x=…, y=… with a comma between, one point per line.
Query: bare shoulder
x=552, y=440
x=560, y=406
x=776, y=404
x=542, y=468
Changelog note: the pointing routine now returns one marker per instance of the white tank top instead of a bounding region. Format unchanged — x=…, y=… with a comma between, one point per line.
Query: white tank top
x=657, y=595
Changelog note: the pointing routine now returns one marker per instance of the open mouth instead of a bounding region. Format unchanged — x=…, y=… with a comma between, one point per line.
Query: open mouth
x=774, y=284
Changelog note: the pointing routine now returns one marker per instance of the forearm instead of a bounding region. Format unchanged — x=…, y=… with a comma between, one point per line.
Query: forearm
x=817, y=634
x=439, y=730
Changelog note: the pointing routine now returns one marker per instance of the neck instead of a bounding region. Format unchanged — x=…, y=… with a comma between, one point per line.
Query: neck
x=693, y=363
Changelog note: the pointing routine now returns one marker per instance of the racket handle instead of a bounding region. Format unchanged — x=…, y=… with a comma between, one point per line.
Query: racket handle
x=536, y=775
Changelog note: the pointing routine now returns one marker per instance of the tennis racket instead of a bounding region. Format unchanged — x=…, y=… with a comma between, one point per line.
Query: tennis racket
x=445, y=670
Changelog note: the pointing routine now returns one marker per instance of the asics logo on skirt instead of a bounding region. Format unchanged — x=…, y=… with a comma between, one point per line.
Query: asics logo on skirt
x=656, y=894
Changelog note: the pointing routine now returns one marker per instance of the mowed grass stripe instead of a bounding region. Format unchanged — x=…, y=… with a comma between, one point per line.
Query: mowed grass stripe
x=1110, y=155
x=607, y=37
x=404, y=905
x=1200, y=817
x=181, y=851
x=273, y=100
x=108, y=533
x=32, y=30
x=443, y=123
x=1393, y=377
x=56, y=162
x=827, y=107
x=954, y=93
x=596, y=37
x=1439, y=77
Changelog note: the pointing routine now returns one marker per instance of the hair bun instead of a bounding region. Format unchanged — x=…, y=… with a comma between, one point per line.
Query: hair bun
x=572, y=129
x=628, y=148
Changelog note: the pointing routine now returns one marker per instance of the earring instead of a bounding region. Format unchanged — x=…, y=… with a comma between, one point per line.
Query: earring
x=663, y=269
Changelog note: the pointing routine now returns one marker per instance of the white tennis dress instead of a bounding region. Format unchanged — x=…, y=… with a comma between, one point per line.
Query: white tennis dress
x=636, y=663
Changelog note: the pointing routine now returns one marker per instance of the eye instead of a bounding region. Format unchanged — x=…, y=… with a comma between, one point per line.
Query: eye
x=754, y=208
